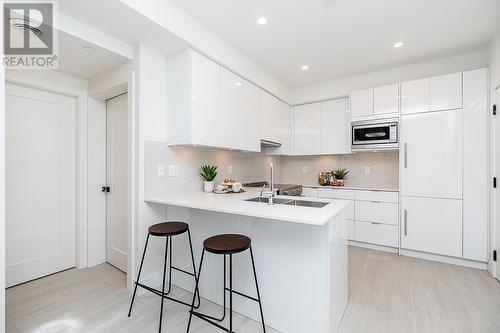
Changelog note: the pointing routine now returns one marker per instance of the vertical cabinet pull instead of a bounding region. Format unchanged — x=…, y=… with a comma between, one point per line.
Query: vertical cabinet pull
x=406, y=222
x=406, y=155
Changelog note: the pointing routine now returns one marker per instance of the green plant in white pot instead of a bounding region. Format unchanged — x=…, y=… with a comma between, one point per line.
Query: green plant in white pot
x=340, y=175
x=208, y=173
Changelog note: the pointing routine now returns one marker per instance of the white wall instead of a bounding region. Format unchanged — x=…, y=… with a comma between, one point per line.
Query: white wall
x=342, y=87
x=494, y=62
x=178, y=22
x=2, y=189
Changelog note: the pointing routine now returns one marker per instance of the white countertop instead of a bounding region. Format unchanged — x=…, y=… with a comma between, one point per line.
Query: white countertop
x=361, y=188
x=236, y=204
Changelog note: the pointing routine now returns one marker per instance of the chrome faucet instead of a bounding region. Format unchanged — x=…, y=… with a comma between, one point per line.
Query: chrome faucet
x=269, y=192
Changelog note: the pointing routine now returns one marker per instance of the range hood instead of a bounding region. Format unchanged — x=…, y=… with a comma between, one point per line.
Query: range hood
x=269, y=144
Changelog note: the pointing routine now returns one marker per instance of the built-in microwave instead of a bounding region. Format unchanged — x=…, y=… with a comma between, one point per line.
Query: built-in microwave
x=375, y=134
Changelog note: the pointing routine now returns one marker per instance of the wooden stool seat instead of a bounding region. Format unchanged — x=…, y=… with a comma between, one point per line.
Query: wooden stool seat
x=227, y=244
x=168, y=228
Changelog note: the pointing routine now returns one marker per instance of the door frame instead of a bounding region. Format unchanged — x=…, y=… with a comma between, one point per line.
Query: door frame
x=45, y=83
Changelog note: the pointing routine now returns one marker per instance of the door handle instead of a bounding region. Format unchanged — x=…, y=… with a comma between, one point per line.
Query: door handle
x=406, y=222
x=105, y=189
x=406, y=155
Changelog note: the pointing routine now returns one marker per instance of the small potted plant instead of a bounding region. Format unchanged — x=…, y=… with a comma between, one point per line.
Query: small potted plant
x=339, y=176
x=208, y=173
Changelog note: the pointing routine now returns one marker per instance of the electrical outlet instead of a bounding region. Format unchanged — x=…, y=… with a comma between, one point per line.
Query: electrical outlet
x=304, y=169
x=230, y=170
x=368, y=170
x=173, y=170
x=161, y=170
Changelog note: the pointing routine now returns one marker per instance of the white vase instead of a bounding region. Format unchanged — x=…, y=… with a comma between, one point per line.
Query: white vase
x=208, y=186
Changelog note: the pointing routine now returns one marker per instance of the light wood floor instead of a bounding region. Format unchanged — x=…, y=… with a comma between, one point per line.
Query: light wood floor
x=387, y=293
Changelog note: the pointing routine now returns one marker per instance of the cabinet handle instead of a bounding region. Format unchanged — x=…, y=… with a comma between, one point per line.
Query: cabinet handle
x=406, y=222
x=376, y=223
x=406, y=155
x=375, y=202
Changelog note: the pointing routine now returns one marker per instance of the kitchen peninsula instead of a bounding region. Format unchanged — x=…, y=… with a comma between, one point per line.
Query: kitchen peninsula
x=300, y=253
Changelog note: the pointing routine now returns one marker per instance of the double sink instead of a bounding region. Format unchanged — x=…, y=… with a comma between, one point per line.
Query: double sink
x=291, y=202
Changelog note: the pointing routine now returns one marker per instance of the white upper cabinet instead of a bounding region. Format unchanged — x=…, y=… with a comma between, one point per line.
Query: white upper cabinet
x=361, y=103
x=432, y=154
x=193, y=95
x=208, y=105
x=432, y=94
x=445, y=92
x=386, y=99
x=239, y=113
x=307, y=120
x=275, y=119
x=335, y=127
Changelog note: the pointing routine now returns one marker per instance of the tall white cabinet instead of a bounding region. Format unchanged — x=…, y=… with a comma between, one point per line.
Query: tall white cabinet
x=444, y=167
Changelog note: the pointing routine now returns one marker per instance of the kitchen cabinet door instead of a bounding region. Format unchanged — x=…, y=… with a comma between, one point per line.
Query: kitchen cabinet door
x=204, y=99
x=335, y=127
x=386, y=99
x=361, y=103
x=432, y=225
x=476, y=178
x=445, y=92
x=307, y=131
x=239, y=113
x=415, y=96
x=432, y=154
x=275, y=123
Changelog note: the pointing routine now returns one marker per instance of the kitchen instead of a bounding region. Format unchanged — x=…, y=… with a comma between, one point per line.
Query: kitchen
x=352, y=199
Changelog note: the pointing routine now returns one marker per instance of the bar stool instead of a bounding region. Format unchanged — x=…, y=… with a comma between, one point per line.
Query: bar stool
x=227, y=245
x=167, y=230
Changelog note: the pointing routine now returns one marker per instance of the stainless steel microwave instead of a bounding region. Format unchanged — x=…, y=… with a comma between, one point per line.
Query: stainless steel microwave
x=375, y=134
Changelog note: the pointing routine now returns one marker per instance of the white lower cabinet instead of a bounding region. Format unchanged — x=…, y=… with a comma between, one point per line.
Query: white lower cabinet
x=432, y=225
x=376, y=233
x=374, y=217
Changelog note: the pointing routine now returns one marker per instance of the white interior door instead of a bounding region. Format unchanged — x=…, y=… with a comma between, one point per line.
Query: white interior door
x=116, y=174
x=40, y=183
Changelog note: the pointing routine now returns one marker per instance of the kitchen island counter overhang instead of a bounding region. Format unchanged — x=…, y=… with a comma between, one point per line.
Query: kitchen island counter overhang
x=300, y=256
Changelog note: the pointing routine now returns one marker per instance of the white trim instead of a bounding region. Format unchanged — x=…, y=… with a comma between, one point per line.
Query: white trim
x=43, y=83
x=373, y=246
x=120, y=81
x=445, y=259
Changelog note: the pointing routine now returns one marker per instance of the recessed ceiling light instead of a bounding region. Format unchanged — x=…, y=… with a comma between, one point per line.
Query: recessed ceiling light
x=397, y=45
x=262, y=20
x=305, y=67
x=238, y=84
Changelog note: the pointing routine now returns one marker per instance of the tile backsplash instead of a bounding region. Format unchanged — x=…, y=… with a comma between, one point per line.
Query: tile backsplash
x=367, y=169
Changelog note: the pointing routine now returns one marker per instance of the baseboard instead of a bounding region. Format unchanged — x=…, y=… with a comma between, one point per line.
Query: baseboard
x=445, y=259
x=374, y=246
x=424, y=255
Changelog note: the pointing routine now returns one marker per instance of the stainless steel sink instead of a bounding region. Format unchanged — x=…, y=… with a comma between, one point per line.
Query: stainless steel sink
x=265, y=200
x=291, y=202
x=304, y=203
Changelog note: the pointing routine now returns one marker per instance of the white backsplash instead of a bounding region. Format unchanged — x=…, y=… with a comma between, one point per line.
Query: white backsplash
x=247, y=167
x=383, y=168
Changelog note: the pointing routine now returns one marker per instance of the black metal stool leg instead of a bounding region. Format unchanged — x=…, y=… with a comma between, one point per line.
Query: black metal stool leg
x=258, y=292
x=163, y=284
x=197, y=280
x=138, y=276
x=194, y=265
x=230, y=293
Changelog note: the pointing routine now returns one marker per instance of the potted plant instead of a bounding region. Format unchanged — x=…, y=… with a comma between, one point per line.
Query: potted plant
x=208, y=173
x=339, y=175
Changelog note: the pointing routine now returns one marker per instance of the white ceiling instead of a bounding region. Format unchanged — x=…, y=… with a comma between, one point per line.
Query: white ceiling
x=346, y=37
x=75, y=58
